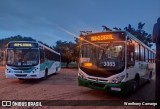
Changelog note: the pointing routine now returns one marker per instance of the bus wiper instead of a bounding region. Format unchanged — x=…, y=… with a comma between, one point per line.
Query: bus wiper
x=106, y=47
x=27, y=52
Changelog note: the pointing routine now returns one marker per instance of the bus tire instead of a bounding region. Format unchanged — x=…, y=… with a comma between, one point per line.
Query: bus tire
x=135, y=84
x=150, y=77
x=21, y=79
x=45, y=75
x=56, y=71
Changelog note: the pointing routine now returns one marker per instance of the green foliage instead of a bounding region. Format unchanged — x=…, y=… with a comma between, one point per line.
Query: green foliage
x=68, y=50
x=140, y=34
x=5, y=41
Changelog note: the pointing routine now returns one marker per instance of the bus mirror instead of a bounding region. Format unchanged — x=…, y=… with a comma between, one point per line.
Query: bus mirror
x=131, y=63
x=128, y=65
x=131, y=47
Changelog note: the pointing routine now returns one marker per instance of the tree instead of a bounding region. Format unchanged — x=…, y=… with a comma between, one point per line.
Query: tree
x=140, y=25
x=77, y=49
x=140, y=33
x=68, y=51
x=5, y=41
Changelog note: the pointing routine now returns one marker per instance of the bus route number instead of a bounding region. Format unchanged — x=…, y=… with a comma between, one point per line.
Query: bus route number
x=109, y=64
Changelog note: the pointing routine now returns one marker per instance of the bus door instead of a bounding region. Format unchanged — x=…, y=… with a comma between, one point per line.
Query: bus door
x=130, y=60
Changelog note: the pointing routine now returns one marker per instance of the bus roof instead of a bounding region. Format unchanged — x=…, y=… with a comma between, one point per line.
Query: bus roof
x=44, y=46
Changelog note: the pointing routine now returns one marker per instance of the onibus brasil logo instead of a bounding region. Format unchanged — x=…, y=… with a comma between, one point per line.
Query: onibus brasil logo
x=21, y=103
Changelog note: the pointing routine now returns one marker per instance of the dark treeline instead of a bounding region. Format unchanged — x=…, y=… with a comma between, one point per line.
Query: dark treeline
x=4, y=42
x=69, y=51
x=141, y=34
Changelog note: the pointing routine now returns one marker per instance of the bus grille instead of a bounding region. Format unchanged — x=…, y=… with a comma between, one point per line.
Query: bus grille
x=21, y=75
x=97, y=73
x=97, y=79
x=97, y=85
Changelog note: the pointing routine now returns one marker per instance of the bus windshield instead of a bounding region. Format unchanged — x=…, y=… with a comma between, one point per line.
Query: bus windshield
x=108, y=56
x=22, y=57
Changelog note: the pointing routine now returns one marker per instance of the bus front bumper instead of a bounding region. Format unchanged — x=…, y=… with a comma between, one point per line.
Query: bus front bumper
x=120, y=88
x=23, y=75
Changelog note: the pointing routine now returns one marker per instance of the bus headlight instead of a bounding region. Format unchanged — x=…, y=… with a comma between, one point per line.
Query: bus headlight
x=9, y=71
x=82, y=75
x=117, y=79
x=34, y=70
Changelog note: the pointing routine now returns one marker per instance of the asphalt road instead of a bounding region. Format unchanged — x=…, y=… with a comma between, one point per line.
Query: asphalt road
x=64, y=86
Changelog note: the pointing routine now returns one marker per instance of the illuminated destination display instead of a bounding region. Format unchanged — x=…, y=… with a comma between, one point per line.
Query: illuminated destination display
x=102, y=37
x=22, y=45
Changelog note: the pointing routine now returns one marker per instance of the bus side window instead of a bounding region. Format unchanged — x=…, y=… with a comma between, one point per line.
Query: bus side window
x=130, y=55
x=41, y=56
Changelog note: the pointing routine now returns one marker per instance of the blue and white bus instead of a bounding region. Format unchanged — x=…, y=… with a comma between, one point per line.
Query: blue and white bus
x=31, y=60
x=114, y=61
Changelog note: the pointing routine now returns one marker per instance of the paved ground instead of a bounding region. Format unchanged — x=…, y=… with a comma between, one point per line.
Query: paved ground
x=64, y=86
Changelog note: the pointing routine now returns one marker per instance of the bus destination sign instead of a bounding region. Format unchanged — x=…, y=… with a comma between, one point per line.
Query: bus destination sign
x=107, y=36
x=22, y=45
x=102, y=37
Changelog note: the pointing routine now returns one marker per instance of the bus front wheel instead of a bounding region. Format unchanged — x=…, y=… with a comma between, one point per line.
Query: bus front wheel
x=21, y=79
x=45, y=75
x=150, y=77
x=135, y=84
